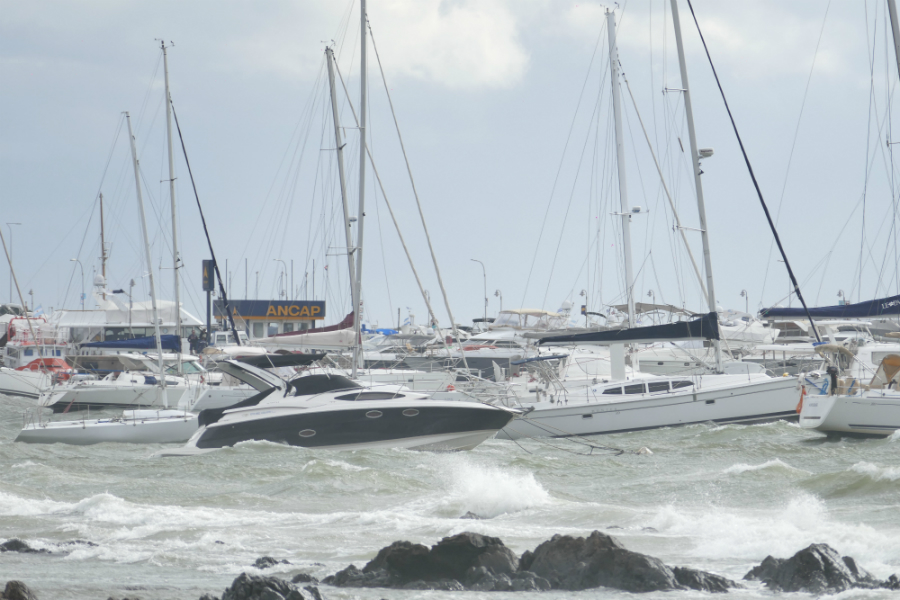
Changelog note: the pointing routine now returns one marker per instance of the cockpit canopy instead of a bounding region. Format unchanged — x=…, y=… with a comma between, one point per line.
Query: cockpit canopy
x=309, y=385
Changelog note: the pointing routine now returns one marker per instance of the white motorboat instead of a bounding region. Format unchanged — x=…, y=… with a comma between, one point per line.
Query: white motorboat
x=336, y=413
x=844, y=407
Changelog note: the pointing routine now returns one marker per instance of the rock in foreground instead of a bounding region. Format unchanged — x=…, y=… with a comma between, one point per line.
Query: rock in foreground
x=16, y=590
x=817, y=569
x=476, y=562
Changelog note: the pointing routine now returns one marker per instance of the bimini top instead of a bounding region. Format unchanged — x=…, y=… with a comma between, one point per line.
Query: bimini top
x=704, y=328
x=646, y=307
x=860, y=310
x=528, y=318
x=309, y=385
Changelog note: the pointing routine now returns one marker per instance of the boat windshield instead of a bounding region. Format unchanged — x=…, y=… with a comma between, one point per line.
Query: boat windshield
x=308, y=385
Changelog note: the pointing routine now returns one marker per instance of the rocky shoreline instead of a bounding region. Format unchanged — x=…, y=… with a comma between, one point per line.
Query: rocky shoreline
x=475, y=562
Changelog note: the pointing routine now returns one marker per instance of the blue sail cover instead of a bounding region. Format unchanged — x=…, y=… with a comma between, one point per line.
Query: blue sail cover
x=860, y=310
x=704, y=328
x=169, y=342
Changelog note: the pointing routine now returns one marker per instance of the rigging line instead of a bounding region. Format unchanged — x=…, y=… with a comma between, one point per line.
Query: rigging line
x=391, y=211
x=662, y=180
x=212, y=252
x=753, y=177
x=74, y=225
x=862, y=234
x=794, y=142
x=587, y=139
x=412, y=182
x=561, y=162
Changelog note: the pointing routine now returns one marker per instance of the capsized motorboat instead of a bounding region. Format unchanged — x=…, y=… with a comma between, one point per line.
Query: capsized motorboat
x=336, y=413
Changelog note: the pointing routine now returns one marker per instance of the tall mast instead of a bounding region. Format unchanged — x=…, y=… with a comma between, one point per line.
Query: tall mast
x=695, y=163
x=339, y=145
x=175, y=257
x=892, y=9
x=362, y=185
x=102, y=247
x=620, y=161
x=140, y=198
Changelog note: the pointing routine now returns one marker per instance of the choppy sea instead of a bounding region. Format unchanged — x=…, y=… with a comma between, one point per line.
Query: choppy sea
x=718, y=498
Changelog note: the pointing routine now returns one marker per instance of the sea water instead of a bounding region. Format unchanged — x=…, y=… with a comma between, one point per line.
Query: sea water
x=718, y=498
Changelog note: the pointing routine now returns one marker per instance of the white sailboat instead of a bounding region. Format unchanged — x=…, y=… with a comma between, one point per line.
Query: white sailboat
x=642, y=401
x=133, y=426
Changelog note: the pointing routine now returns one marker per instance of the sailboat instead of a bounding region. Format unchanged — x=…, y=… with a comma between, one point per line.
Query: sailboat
x=641, y=401
x=133, y=426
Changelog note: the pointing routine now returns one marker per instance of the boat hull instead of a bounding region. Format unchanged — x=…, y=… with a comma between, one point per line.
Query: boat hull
x=757, y=402
x=29, y=384
x=141, y=427
x=447, y=426
x=869, y=415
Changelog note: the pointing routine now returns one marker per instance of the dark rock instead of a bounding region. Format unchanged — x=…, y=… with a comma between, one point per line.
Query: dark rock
x=219, y=542
x=353, y=577
x=208, y=597
x=17, y=545
x=703, y=581
x=471, y=515
x=265, y=562
x=650, y=529
x=404, y=561
x=79, y=543
x=16, y=590
x=526, y=581
x=304, y=578
x=572, y=563
x=817, y=569
x=314, y=592
x=254, y=587
x=453, y=556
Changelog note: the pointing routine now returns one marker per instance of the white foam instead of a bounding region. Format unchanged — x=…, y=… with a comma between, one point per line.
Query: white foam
x=875, y=472
x=489, y=491
x=775, y=463
x=752, y=534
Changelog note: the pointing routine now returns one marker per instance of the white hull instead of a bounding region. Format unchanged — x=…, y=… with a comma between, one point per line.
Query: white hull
x=134, y=427
x=875, y=413
x=29, y=384
x=450, y=442
x=763, y=399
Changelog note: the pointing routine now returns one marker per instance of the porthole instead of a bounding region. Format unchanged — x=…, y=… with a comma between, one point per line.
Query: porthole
x=307, y=433
x=410, y=412
x=374, y=414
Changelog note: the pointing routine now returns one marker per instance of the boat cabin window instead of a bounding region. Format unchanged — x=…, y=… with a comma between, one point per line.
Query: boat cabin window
x=658, y=386
x=682, y=384
x=637, y=388
x=318, y=384
x=616, y=391
x=370, y=396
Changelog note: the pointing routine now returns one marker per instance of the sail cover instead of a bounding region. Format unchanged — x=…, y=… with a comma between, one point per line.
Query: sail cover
x=169, y=342
x=860, y=310
x=704, y=328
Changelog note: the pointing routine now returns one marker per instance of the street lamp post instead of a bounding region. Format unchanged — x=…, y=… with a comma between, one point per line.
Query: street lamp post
x=9, y=226
x=82, y=279
x=499, y=294
x=284, y=277
x=746, y=298
x=484, y=274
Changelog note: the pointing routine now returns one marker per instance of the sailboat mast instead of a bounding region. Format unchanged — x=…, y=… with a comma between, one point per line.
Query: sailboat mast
x=620, y=161
x=102, y=247
x=175, y=257
x=895, y=28
x=362, y=186
x=140, y=198
x=695, y=163
x=339, y=145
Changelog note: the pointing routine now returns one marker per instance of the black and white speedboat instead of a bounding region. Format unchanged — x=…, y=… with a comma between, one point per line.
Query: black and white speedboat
x=336, y=413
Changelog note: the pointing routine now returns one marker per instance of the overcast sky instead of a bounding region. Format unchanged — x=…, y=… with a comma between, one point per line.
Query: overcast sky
x=505, y=112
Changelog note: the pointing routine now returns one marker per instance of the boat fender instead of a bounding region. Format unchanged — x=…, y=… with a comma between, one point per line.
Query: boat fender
x=833, y=373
